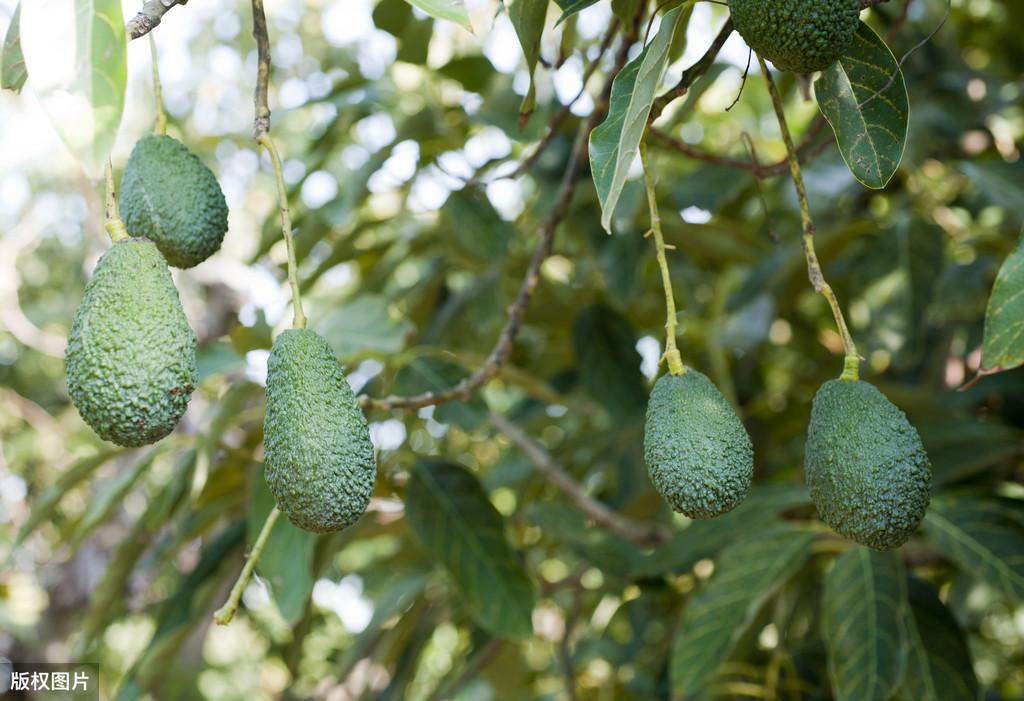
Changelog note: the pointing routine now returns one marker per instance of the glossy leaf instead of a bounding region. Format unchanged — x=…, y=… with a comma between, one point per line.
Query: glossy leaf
x=983, y=541
x=451, y=516
x=614, y=144
x=864, y=609
x=76, y=54
x=527, y=18
x=1003, y=347
x=870, y=126
x=571, y=7
x=449, y=10
x=747, y=574
x=12, y=63
x=938, y=659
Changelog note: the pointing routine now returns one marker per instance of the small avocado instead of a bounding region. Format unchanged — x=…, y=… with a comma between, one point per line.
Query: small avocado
x=867, y=470
x=170, y=197
x=319, y=462
x=802, y=36
x=131, y=355
x=698, y=454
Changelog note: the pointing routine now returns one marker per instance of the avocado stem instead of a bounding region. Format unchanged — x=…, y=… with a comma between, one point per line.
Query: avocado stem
x=112, y=216
x=286, y=229
x=817, y=277
x=672, y=356
x=225, y=613
x=160, y=126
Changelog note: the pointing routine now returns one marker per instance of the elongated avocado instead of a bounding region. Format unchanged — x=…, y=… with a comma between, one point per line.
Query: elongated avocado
x=131, y=355
x=319, y=462
x=867, y=470
x=698, y=454
x=170, y=197
x=802, y=36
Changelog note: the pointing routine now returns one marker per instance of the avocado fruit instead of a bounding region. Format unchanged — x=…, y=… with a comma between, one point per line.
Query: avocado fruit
x=131, y=354
x=697, y=452
x=802, y=36
x=170, y=197
x=868, y=473
x=319, y=462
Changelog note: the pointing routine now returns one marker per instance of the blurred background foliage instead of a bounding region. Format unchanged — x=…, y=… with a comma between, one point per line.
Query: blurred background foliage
x=472, y=576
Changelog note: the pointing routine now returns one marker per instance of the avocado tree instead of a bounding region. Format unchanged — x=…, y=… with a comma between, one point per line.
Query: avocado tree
x=514, y=349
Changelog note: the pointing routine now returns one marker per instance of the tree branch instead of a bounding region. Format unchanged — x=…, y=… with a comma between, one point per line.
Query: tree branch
x=691, y=74
x=641, y=533
x=149, y=17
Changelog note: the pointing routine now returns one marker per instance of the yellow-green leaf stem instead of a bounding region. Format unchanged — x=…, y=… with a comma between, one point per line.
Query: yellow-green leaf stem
x=851, y=361
x=225, y=613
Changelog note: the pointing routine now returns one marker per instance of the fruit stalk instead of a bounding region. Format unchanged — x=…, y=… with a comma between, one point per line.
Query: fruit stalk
x=266, y=142
x=225, y=613
x=112, y=219
x=672, y=355
x=852, y=360
x=160, y=127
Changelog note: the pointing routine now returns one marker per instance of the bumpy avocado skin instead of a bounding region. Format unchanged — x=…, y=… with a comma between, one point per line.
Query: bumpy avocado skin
x=169, y=196
x=131, y=354
x=698, y=454
x=319, y=462
x=867, y=470
x=802, y=36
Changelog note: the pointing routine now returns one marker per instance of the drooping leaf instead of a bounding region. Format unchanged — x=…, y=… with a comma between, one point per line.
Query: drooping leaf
x=362, y=323
x=76, y=55
x=470, y=218
x=938, y=660
x=451, y=516
x=527, y=17
x=434, y=375
x=1003, y=347
x=609, y=363
x=12, y=63
x=961, y=446
x=974, y=533
x=101, y=505
x=450, y=10
x=287, y=560
x=870, y=126
x=864, y=609
x=571, y=7
x=747, y=574
x=614, y=144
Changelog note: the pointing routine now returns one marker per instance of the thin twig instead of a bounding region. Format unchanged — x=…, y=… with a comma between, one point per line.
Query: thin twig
x=852, y=359
x=149, y=17
x=691, y=74
x=112, y=216
x=160, y=125
x=641, y=533
x=261, y=122
x=225, y=613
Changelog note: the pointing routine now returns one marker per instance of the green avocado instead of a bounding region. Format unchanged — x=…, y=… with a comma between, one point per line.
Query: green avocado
x=802, y=36
x=131, y=355
x=319, y=462
x=698, y=454
x=867, y=471
x=169, y=196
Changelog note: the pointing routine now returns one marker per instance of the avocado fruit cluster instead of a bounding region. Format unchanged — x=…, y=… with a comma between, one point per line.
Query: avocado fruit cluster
x=319, y=462
x=698, y=454
x=802, y=36
x=867, y=471
x=131, y=354
x=171, y=198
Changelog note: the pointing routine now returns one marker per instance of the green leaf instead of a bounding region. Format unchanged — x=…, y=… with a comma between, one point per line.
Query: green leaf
x=527, y=17
x=474, y=72
x=974, y=533
x=101, y=505
x=470, y=218
x=571, y=7
x=864, y=608
x=747, y=574
x=46, y=503
x=1003, y=347
x=12, y=64
x=449, y=10
x=615, y=143
x=871, y=129
x=938, y=660
x=362, y=323
x=609, y=363
x=287, y=560
x=76, y=54
x=451, y=516
x=433, y=375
